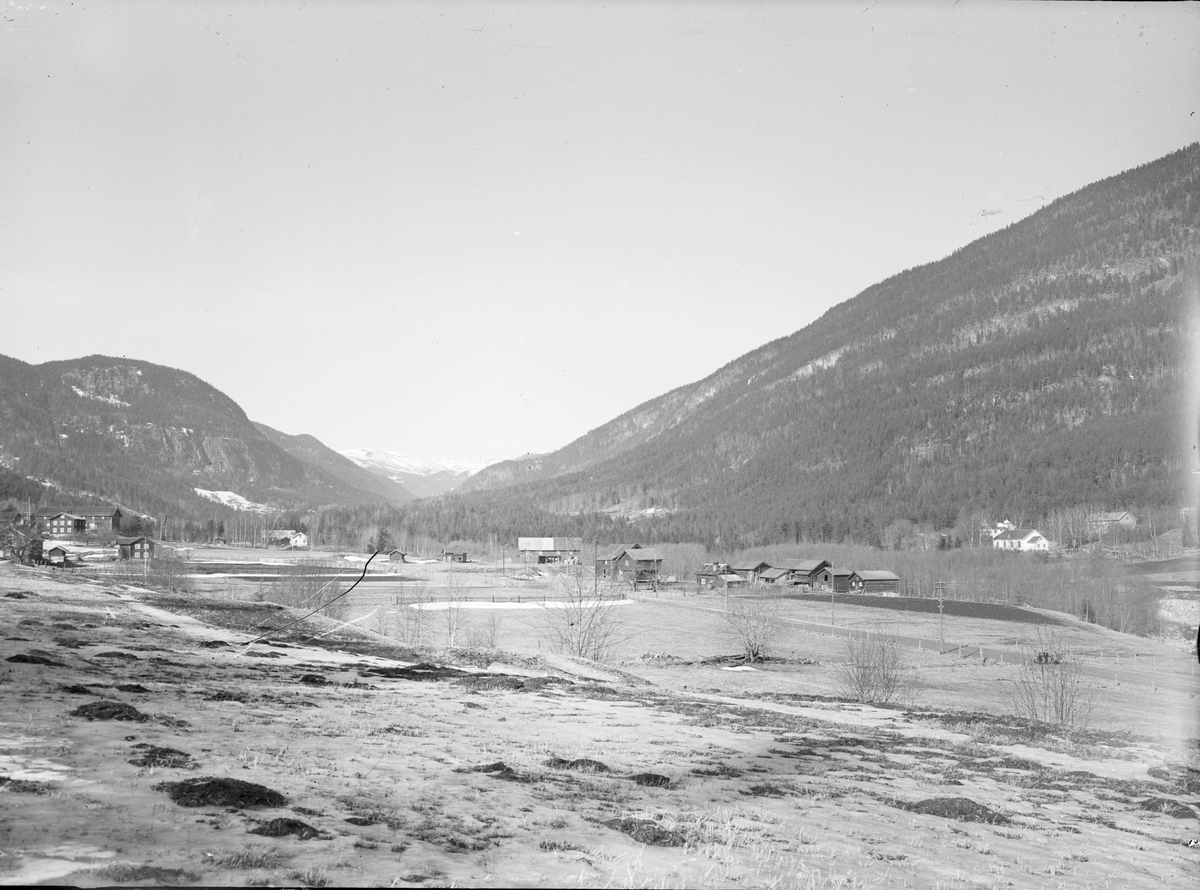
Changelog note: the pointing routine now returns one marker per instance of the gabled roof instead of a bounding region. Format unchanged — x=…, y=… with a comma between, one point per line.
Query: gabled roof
x=877, y=575
x=125, y=541
x=80, y=512
x=1016, y=534
x=644, y=554
x=613, y=552
x=65, y=515
x=731, y=578
x=1115, y=516
x=802, y=565
x=840, y=573
x=772, y=574
x=749, y=565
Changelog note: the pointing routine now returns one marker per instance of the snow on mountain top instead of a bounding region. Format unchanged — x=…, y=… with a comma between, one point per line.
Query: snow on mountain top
x=395, y=462
x=233, y=499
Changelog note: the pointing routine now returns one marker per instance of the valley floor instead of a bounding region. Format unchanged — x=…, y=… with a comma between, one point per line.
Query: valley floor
x=369, y=765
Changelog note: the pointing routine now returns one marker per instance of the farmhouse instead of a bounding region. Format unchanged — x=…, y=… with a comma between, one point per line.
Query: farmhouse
x=709, y=576
x=1102, y=523
x=135, y=548
x=834, y=579
x=454, y=556
x=79, y=520
x=1020, y=539
x=287, y=539
x=802, y=572
x=872, y=581
x=550, y=551
x=749, y=569
x=635, y=564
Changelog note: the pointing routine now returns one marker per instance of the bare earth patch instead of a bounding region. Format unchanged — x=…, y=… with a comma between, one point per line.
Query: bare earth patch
x=353, y=760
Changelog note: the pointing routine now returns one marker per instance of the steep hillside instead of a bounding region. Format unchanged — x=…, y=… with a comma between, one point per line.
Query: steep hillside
x=1037, y=367
x=147, y=436
x=317, y=454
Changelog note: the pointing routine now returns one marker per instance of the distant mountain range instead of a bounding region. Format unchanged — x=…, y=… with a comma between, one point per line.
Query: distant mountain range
x=1040, y=366
x=423, y=476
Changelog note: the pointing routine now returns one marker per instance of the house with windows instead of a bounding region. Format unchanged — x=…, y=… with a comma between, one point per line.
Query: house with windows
x=802, y=572
x=287, y=539
x=834, y=579
x=1021, y=539
x=633, y=564
x=140, y=547
x=79, y=520
x=1103, y=523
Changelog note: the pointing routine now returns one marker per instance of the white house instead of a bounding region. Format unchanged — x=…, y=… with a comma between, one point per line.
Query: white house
x=287, y=538
x=1020, y=539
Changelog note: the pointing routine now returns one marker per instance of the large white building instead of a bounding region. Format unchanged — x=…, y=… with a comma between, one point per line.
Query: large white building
x=1020, y=539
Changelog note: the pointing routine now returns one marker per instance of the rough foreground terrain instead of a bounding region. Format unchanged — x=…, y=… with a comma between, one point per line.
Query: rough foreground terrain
x=142, y=743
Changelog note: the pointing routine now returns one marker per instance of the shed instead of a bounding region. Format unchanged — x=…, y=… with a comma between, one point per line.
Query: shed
x=396, y=555
x=874, y=581
x=56, y=555
x=772, y=576
x=834, y=579
x=454, y=556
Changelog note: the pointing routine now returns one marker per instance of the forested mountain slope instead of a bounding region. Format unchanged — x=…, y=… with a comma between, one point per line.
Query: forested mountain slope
x=147, y=436
x=316, y=453
x=1040, y=366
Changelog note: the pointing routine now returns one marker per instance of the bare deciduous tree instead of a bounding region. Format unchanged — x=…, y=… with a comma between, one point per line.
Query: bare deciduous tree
x=586, y=621
x=755, y=622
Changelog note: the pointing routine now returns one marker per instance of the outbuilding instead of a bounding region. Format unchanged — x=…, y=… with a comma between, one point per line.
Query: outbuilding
x=135, y=548
x=803, y=572
x=875, y=581
x=749, y=569
x=550, y=551
x=454, y=556
x=834, y=579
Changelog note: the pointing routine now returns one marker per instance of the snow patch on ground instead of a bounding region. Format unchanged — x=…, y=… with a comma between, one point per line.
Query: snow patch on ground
x=233, y=499
x=112, y=400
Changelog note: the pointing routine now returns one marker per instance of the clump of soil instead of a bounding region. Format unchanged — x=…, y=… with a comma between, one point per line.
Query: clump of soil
x=125, y=656
x=124, y=873
x=132, y=687
x=651, y=780
x=765, y=790
x=497, y=770
x=76, y=690
x=284, y=826
x=422, y=671
x=1174, y=808
x=360, y=821
x=213, y=644
x=23, y=786
x=313, y=680
x=226, y=695
x=69, y=644
x=18, y=594
x=109, y=710
x=960, y=808
x=646, y=831
x=168, y=757
x=583, y=765
x=210, y=791
x=484, y=682
x=26, y=658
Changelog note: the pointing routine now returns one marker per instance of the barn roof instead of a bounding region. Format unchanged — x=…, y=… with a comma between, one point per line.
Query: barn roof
x=772, y=574
x=877, y=575
x=749, y=565
x=1016, y=534
x=802, y=565
x=79, y=512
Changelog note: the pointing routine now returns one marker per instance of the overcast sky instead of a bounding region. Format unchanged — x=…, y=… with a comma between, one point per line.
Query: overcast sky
x=473, y=230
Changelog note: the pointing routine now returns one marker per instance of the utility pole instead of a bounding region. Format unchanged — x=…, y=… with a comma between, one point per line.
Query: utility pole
x=940, y=588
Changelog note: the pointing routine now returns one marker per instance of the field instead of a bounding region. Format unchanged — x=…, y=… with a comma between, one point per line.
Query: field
x=145, y=743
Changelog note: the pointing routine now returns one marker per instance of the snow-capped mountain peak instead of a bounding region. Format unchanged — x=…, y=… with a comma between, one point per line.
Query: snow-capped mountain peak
x=423, y=476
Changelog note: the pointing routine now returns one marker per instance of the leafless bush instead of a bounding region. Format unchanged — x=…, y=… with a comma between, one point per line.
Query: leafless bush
x=588, y=623
x=755, y=622
x=161, y=572
x=310, y=586
x=874, y=670
x=457, y=616
x=1049, y=685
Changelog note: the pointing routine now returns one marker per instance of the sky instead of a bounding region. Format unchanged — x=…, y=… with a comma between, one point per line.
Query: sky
x=476, y=230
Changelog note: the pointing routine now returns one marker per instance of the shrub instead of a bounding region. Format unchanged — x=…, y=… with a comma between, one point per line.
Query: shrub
x=874, y=670
x=1049, y=685
x=756, y=623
